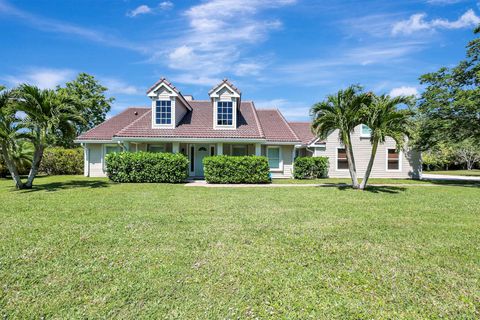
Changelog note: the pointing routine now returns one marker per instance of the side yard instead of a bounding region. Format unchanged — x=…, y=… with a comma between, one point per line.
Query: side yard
x=74, y=247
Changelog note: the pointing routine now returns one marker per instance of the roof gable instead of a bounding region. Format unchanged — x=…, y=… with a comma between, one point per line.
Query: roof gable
x=170, y=88
x=224, y=85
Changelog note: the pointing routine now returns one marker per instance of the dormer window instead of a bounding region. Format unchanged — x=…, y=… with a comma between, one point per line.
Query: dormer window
x=226, y=101
x=224, y=113
x=163, y=112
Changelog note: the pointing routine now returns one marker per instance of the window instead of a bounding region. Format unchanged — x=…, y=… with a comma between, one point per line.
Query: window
x=156, y=148
x=239, y=150
x=342, y=162
x=163, y=112
x=273, y=155
x=224, y=113
x=365, y=131
x=111, y=149
x=212, y=150
x=393, y=160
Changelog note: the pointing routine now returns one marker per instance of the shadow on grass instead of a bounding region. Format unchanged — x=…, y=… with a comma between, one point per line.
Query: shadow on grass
x=372, y=189
x=71, y=184
x=456, y=183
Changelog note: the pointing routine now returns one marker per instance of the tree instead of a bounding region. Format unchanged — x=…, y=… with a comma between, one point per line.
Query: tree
x=10, y=134
x=449, y=107
x=468, y=153
x=384, y=119
x=92, y=105
x=341, y=112
x=48, y=113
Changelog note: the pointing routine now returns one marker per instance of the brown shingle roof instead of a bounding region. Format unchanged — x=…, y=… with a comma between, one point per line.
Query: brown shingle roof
x=275, y=127
x=106, y=130
x=303, y=131
x=197, y=124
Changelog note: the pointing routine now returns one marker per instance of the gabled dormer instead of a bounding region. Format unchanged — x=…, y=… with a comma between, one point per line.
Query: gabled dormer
x=226, y=99
x=168, y=105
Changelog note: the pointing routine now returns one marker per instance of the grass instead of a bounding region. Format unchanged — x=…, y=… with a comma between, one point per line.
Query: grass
x=348, y=181
x=473, y=173
x=85, y=248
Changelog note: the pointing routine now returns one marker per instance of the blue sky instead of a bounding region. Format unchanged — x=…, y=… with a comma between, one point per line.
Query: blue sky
x=281, y=53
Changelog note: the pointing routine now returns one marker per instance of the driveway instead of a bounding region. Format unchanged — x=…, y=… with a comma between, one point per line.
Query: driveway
x=426, y=176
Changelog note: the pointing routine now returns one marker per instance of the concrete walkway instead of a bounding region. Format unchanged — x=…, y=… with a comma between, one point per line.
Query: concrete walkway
x=203, y=183
x=426, y=176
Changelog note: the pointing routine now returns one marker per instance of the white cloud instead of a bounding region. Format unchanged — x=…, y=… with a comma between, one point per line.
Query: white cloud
x=417, y=22
x=145, y=9
x=42, y=77
x=116, y=86
x=214, y=44
x=291, y=110
x=404, y=91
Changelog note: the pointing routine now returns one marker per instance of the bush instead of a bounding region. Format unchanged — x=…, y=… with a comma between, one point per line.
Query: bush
x=310, y=167
x=3, y=168
x=228, y=169
x=58, y=160
x=146, y=167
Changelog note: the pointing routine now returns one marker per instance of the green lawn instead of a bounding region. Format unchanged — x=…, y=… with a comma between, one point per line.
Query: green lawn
x=347, y=181
x=474, y=172
x=85, y=248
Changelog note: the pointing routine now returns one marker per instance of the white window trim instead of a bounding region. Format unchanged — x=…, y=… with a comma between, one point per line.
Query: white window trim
x=234, y=114
x=280, y=163
x=400, y=157
x=336, y=160
x=154, y=113
x=362, y=135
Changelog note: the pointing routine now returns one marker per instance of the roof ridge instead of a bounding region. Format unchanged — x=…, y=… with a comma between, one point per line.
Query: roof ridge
x=131, y=123
x=107, y=120
x=285, y=120
x=259, y=125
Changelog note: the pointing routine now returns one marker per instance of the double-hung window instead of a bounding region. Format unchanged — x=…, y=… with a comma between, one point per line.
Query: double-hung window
x=224, y=113
x=163, y=112
x=239, y=150
x=342, y=162
x=273, y=155
x=112, y=149
x=393, y=160
x=156, y=148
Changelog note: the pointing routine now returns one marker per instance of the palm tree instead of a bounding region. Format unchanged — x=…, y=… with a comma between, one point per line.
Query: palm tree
x=10, y=134
x=341, y=112
x=385, y=120
x=47, y=113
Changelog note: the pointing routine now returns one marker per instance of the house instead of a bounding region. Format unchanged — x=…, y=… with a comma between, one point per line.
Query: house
x=222, y=125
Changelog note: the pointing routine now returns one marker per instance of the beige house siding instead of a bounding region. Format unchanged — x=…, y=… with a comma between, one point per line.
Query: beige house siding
x=180, y=111
x=286, y=152
x=95, y=160
x=410, y=163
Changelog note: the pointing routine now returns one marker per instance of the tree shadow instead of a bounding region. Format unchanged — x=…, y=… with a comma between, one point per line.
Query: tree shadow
x=71, y=184
x=372, y=189
x=454, y=183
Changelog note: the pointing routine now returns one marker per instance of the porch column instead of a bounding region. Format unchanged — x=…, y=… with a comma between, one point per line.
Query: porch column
x=258, y=149
x=219, y=149
x=175, y=147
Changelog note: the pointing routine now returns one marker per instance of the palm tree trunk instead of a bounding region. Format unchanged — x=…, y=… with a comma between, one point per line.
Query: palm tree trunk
x=351, y=163
x=12, y=168
x=370, y=164
x=37, y=158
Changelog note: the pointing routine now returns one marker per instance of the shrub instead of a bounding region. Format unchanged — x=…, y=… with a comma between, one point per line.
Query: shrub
x=310, y=167
x=59, y=160
x=3, y=168
x=228, y=169
x=146, y=167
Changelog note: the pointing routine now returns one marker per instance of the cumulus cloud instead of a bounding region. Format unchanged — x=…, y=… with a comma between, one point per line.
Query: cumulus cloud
x=417, y=22
x=404, y=91
x=145, y=9
x=116, y=86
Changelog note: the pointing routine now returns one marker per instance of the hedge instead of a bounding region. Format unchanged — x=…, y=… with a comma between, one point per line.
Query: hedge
x=59, y=160
x=146, y=167
x=228, y=169
x=3, y=168
x=310, y=167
